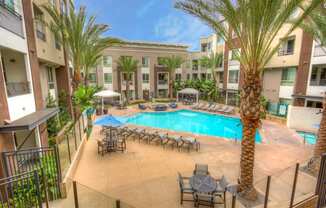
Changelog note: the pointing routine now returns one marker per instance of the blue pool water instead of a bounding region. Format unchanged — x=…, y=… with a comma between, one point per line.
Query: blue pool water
x=190, y=121
x=309, y=137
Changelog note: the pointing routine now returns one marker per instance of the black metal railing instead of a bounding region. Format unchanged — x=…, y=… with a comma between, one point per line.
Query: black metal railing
x=44, y=158
x=23, y=190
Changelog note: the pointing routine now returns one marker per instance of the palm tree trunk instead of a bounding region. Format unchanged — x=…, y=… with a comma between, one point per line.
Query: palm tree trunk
x=171, y=84
x=320, y=147
x=127, y=91
x=249, y=112
x=77, y=78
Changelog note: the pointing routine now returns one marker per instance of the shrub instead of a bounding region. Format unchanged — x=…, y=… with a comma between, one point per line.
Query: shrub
x=135, y=102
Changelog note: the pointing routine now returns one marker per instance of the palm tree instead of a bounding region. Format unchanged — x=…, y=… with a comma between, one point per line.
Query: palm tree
x=79, y=34
x=212, y=62
x=127, y=65
x=172, y=63
x=93, y=53
x=256, y=24
x=316, y=26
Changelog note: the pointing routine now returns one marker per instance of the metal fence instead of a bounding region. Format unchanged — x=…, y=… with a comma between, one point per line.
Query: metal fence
x=23, y=190
x=44, y=158
x=277, y=109
x=69, y=141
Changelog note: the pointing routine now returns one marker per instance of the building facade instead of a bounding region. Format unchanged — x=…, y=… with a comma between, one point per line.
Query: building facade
x=151, y=79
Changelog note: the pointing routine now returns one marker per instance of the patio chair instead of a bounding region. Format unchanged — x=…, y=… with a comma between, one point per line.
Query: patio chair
x=101, y=147
x=217, y=108
x=220, y=192
x=121, y=144
x=196, y=106
x=204, y=199
x=185, y=189
x=210, y=108
x=201, y=169
x=159, y=138
x=142, y=106
x=190, y=143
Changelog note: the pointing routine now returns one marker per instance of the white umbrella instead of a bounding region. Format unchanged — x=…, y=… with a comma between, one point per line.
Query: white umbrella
x=107, y=94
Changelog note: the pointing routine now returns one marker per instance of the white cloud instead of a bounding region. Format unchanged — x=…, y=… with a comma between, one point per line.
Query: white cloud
x=181, y=29
x=145, y=8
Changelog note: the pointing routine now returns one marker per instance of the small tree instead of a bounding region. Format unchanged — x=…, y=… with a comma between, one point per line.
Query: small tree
x=127, y=65
x=172, y=63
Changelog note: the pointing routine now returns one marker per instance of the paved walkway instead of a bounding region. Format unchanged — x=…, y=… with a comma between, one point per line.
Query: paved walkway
x=146, y=175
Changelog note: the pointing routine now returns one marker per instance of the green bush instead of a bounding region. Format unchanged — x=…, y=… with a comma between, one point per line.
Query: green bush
x=135, y=102
x=164, y=100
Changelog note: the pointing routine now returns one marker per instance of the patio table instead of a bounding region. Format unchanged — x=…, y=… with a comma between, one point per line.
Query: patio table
x=203, y=183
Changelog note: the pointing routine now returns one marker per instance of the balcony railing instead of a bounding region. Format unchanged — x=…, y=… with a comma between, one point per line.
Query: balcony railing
x=285, y=52
x=319, y=51
x=18, y=88
x=321, y=82
x=12, y=20
x=162, y=82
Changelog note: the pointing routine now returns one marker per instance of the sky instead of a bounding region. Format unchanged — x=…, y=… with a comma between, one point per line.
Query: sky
x=147, y=20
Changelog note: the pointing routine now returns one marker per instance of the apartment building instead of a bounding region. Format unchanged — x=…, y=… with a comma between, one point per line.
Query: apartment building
x=52, y=61
x=151, y=78
x=20, y=94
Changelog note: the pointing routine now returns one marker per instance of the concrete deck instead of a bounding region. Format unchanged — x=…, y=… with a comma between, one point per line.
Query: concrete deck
x=146, y=175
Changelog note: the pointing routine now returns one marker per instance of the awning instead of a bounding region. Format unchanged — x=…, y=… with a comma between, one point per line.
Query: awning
x=30, y=121
x=107, y=94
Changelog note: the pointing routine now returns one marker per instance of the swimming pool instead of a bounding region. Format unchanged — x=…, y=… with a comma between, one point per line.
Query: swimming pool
x=309, y=137
x=191, y=121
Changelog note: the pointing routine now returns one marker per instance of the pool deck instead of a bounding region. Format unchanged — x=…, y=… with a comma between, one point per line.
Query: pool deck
x=146, y=175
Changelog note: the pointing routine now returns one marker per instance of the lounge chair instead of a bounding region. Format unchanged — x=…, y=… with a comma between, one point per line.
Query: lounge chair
x=229, y=110
x=204, y=107
x=160, y=138
x=195, y=106
x=211, y=108
x=142, y=107
x=221, y=110
x=220, y=192
x=174, y=141
x=173, y=105
x=190, y=143
x=201, y=169
x=217, y=108
x=185, y=189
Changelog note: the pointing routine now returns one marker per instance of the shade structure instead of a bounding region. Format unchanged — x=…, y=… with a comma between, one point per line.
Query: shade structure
x=109, y=121
x=107, y=94
x=189, y=91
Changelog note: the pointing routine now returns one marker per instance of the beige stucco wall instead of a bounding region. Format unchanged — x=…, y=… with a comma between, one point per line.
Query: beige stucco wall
x=288, y=60
x=46, y=50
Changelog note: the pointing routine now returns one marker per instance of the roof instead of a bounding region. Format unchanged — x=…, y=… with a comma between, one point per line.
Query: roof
x=143, y=43
x=107, y=93
x=30, y=121
x=188, y=91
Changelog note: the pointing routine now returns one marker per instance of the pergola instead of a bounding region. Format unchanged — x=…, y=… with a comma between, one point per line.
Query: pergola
x=188, y=92
x=107, y=94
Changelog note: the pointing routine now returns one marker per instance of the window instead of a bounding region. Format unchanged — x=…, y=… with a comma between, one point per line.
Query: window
x=318, y=75
x=107, y=78
x=145, y=78
x=107, y=61
x=92, y=77
x=51, y=83
x=178, y=76
x=285, y=101
x=195, y=65
x=221, y=77
x=163, y=78
x=234, y=76
x=234, y=54
x=203, y=76
x=160, y=61
x=287, y=48
x=145, y=61
x=57, y=44
x=288, y=76
x=233, y=98
x=162, y=93
x=195, y=76
x=206, y=47
x=314, y=104
x=209, y=76
x=10, y=4
x=39, y=23
x=62, y=7
x=188, y=76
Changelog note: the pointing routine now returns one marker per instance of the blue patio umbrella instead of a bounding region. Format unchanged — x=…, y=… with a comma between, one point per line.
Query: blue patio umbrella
x=109, y=121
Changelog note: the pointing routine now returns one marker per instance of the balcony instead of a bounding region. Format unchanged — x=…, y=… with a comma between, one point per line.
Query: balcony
x=319, y=51
x=162, y=82
x=285, y=52
x=10, y=19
